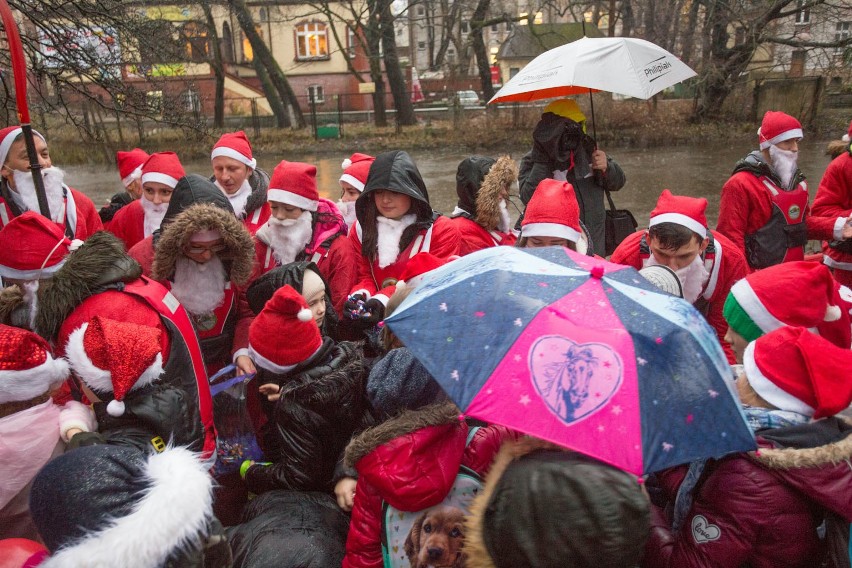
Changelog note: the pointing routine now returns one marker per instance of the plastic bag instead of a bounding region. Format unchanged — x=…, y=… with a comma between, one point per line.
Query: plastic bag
x=236, y=440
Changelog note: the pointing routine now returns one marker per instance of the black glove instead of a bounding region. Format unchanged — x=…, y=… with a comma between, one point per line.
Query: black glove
x=375, y=312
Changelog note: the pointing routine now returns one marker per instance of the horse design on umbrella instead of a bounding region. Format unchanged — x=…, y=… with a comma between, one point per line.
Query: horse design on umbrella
x=565, y=373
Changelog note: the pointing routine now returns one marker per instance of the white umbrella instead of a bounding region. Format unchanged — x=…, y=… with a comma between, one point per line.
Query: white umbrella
x=628, y=66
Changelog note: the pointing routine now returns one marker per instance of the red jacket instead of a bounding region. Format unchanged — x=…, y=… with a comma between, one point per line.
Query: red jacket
x=129, y=224
x=834, y=201
x=759, y=511
x=87, y=222
x=410, y=462
x=441, y=239
x=474, y=237
x=725, y=273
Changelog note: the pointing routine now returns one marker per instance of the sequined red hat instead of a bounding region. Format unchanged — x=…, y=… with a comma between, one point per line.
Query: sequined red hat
x=27, y=367
x=286, y=314
x=115, y=357
x=130, y=164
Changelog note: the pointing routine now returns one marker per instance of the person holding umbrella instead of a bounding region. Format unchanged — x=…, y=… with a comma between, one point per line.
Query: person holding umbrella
x=562, y=150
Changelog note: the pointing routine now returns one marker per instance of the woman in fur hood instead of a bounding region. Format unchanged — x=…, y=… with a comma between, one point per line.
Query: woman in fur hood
x=481, y=216
x=204, y=256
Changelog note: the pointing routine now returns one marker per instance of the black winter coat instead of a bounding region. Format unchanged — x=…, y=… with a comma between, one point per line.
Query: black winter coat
x=322, y=405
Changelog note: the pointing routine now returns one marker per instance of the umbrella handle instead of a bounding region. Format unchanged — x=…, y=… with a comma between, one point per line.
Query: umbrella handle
x=594, y=126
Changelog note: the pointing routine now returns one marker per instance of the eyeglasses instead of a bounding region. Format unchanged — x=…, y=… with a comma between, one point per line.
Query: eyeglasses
x=201, y=249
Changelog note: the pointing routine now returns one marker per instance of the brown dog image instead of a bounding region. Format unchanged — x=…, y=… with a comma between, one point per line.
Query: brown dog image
x=436, y=539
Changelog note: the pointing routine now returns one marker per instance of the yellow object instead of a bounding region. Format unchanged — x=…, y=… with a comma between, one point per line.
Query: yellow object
x=567, y=108
x=158, y=444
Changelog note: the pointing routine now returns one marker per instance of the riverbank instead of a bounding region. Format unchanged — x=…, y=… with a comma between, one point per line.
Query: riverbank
x=618, y=125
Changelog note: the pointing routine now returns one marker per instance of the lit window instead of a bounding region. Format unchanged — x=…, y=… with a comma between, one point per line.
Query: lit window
x=311, y=41
x=154, y=101
x=315, y=94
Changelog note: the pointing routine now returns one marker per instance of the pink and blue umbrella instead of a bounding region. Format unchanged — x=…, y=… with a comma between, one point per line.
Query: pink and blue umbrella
x=577, y=351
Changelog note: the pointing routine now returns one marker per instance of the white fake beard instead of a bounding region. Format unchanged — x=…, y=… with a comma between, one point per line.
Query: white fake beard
x=200, y=288
x=390, y=232
x=505, y=222
x=692, y=277
x=24, y=193
x=347, y=209
x=239, y=199
x=785, y=163
x=153, y=215
x=289, y=237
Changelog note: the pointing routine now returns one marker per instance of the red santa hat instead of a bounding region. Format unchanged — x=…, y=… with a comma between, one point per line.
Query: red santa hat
x=234, y=145
x=848, y=136
x=130, y=164
x=777, y=127
x=681, y=210
x=27, y=367
x=294, y=183
x=7, y=138
x=552, y=212
x=356, y=169
x=115, y=357
x=416, y=269
x=286, y=314
x=797, y=294
x=32, y=247
x=163, y=167
x=795, y=370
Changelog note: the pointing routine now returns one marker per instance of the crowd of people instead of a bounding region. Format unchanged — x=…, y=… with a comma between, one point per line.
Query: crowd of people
x=113, y=322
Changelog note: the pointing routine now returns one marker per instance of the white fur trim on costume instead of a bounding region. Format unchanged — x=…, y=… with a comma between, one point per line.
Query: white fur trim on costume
x=172, y=514
x=555, y=230
x=29, y=383
x=239, y=353
x=132, y=176
x=381, y=298
x=353, y=181
x=755, y=309
x=159, y=178
x=389, y=234
x=7, y=142
x=680, y=219
x=231, y=153
x=34, y=274
x=290, y=198
x=786, y=135
x=265, y=363
x=839, y=223
x=769, y=391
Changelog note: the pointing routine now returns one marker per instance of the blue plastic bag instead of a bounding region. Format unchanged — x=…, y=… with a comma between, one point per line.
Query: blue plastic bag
x=235, y=441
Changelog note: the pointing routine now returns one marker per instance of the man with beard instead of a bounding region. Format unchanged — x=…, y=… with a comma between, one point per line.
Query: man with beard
x=69, y=208
x=160, y=175
x=481, y=215
x=707, y=263
x=355, y=172
x=764, y=206
x=204, y=256
x=130, y=169
x=235, y=173
x=305, y=226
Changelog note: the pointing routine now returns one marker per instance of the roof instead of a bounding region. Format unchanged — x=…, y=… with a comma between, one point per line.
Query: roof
x=528, y=42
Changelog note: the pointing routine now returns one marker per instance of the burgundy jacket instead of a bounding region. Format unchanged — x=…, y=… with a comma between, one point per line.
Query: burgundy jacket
x=760, y=510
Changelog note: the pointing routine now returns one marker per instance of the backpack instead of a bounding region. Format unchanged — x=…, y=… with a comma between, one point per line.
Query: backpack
x=406, y=534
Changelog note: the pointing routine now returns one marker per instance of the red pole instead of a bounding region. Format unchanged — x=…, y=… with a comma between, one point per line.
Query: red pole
x=19, y=70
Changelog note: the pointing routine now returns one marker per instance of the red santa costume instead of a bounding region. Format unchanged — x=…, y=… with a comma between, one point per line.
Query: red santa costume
x=481, y=215
x=708, y=279
x=395, y=241
x=141, y=218
x=313, y=236
x=764, y=206
x=355, y=171
x=249, y=200
x=69, y=208
x=834, y=201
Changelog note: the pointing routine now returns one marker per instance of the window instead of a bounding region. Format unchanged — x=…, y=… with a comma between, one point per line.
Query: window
x=263, y=15
x=154, y=101
x=514, y=71
x=156, y=42
x=351, y=42
x=195, y=41
x=421, y=45
x=465, y=27
x=248, y=51
x=494, y=28
x=421, y=11
x=451, y=55
x=842, y=33
x=191, y=101
x=803, y=15
x=227, y=44
x=797, y=63
x=311, y=41
x=315, y=94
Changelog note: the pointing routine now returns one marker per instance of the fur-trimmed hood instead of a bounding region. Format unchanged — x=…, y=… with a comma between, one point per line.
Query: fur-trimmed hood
x=469, y=176
x=97, y=265
x=500, y=177
x=238, y=256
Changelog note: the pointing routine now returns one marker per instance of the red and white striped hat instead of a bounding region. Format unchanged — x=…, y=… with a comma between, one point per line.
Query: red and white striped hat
x=294, y=183
x=163, y=167
x=681, y=210
x=234, y=145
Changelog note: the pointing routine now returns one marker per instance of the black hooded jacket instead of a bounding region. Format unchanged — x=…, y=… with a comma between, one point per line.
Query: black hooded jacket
x=469, y=177
x=395, y=171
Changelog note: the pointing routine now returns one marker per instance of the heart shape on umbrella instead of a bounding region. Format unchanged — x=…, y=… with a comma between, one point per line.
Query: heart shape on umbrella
x=574, y=380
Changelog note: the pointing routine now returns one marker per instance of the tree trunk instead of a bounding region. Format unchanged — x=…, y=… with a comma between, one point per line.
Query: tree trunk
x=282, y=117
x=396, y=79
x=483, y=66
x=373, y=35
x=218, y=67
x=264, y=55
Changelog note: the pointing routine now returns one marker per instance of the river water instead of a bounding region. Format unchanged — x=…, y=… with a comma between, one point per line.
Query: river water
x=699, y=170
